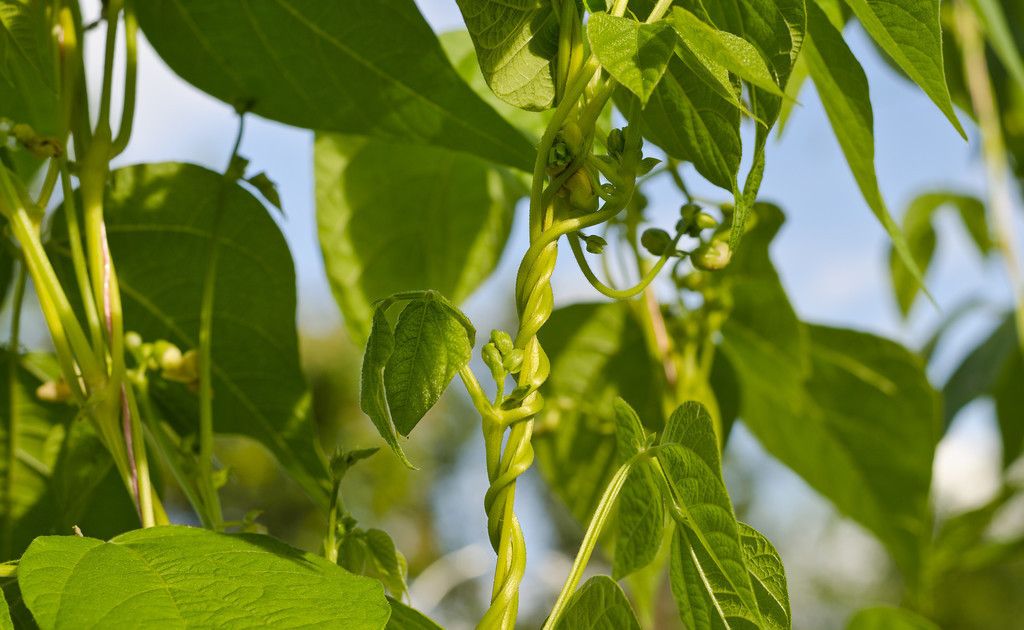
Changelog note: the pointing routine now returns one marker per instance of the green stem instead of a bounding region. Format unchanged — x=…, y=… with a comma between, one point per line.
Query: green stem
x=1000, y=196
x=590, y=538
x=78, y=260
x=611, y=292
x=131, y=28
x=13, y=428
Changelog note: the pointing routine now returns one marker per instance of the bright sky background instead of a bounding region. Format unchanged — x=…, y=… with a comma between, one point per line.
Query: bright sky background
x=831, y=255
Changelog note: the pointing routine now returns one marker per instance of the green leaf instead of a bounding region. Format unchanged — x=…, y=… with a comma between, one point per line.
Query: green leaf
x=372, y=553
x=1000, y=37
x=725, y=49
x=640, y=512
x=333, y=76
x=28, y=87
x=178, y=577
x=432, y=343
x=395, y=217
x=1009, y=398
x=692, y=122
x=516, y=43
x=599, y=604
x=635, y=54
x=909, y=32
x=59, y=474
x=767, y=575
x=161, y=221
x=458, y=45
x=5, y=615
x=860, y=428
x=889, y=618
x=979, y=371
x=843, y=89
x=406, y=618
x=372, y=393
x=691, y=464
x=921, y=238
x=597, y=353
x=266, y=187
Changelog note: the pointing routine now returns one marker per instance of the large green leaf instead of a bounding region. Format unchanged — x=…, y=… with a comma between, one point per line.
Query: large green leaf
x=709, y=534
x=368, y=68
x=909, y=32
x=431, y=345
x=634, y=53
x=861, y=428
x=180, y=577
x=692, y=121
x=725, y=49
x=516, y=43
x=597, y=353
x=843, y=88
x=162, y=223
x=888, y=618
x=599, y=604
x=921, y=238
x=396, y=217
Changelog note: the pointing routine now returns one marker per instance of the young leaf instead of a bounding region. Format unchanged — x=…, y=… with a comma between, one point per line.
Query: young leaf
x=597, y=353
x=917, y=226
x=725, y=49
x=767, y=575
x=843, y=89
x=161, y=223
x=395, y=217
x=909, y=32
x=889, y=618
x=266, y=187
x=599, y=604
x=635, y=54
x=372, y=553
x=373, y=398
x=432, y=343
x=183, y=577
x=333, y=77
x=405, y=618
x=640, y=511
x=692, y=122
x=516, y=44
x=691, y=464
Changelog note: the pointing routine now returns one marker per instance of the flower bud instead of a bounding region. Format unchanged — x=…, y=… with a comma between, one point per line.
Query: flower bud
x=712, y=256
x=54, y=391
x=513, y=361
x=616, y=142
x=502, y=341
x=595, y=244
x=581, y=192
x=656, y=241
x=186, y=371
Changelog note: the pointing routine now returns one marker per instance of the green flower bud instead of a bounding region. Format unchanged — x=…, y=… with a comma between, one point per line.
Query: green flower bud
x=513, y=361
x=693, y=281
x=705, y=221
x=502, y=341
x=572, y=136
x=581, y=192
x=595, y=244
x=186, y=371
x=492, y=359
x=656, y=241
x=616, y=142
x=712, y=256
x=132, y=340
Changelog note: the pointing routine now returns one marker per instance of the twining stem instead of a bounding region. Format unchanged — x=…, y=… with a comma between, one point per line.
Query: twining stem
x=14, y=416
x=1000, y=196
x=590, y=538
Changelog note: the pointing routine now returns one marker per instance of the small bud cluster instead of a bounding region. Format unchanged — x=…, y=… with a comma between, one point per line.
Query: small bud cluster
x=13, y=135
x=501, y=356
x=166, y=359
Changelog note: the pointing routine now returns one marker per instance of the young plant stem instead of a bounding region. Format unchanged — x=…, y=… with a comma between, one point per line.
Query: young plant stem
x=13, y=421
x=590, y=538
x=1000, y=196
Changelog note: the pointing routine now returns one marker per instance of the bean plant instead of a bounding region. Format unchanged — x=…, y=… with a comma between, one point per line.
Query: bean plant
x=168, y=293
